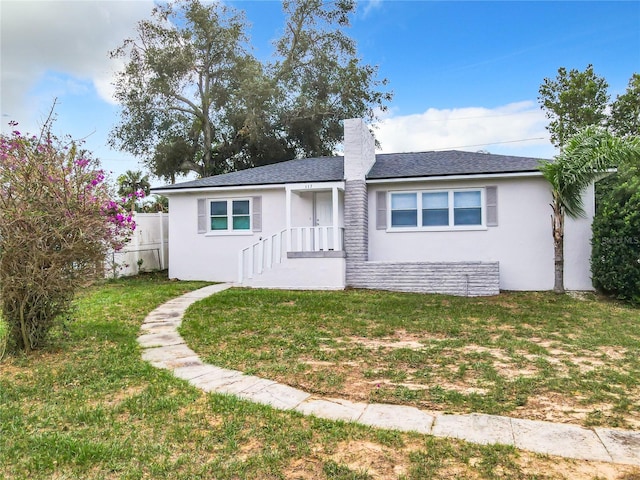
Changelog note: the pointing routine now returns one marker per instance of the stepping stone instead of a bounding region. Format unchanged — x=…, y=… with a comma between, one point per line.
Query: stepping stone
x=397, y=417
x=164, y=327
x=165, y=315
x=160, y=339
x=282, y=397
x=476, y=428
x=211, y=382
x=177, y=363
x=166, y=354
x=332, y=409
x=245, y=386
x=179, y=303
x=558, y=439
x=189, y=372
x=207, y=291
x=159, y=318
x=623, y=446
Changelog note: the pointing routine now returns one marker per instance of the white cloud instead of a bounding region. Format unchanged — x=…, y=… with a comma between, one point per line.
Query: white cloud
x=370, y=5
x=67, y=37
x=513, y=129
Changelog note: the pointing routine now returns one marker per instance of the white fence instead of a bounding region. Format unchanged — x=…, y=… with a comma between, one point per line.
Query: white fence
x=148, y=249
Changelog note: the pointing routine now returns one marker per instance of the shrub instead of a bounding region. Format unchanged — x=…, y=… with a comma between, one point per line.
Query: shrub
x=56, y=223
x=615, y=259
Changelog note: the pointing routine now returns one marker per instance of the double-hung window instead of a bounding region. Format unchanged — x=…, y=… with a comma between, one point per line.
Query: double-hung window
x=404, y=209
x=230, y=215
x=467, y=208
x=437, y=209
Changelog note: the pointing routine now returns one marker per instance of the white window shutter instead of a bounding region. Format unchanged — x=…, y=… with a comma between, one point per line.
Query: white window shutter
x=202, y=215
x=492, y=206
x=256, y=214
x=381, y=210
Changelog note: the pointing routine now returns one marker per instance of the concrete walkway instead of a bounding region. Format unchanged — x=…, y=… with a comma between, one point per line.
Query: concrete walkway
x=164, y=348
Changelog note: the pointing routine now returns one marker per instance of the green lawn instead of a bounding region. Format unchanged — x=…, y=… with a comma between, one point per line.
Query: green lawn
x=88, y=407
x=530, y=355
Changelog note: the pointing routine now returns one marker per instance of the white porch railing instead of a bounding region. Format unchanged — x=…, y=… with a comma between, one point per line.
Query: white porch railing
x=315, y=239
x=264, y=254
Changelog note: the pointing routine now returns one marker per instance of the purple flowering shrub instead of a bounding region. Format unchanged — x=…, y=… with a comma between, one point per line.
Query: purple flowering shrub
x=57, y=222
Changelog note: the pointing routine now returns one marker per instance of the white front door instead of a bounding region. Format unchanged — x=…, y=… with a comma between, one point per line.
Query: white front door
x=322, y=209
x=322, y=217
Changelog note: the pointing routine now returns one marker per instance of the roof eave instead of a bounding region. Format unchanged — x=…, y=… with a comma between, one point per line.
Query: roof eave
x=465, y=176
x=261, y=186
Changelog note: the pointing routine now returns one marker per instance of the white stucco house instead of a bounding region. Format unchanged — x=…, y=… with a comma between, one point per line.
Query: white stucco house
x=446, y=222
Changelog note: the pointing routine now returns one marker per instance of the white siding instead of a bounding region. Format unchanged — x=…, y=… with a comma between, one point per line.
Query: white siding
x=577, y=246
x=521, y=243
x=212, y=257
x=303, y=274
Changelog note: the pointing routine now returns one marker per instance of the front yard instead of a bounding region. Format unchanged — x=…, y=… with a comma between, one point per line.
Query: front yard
x=529, y=355
x=88, y=407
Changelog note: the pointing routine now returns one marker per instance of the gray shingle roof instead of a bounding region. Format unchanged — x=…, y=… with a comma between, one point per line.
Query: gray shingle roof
x=389, y=165
x=452, y=162
x=320, y=169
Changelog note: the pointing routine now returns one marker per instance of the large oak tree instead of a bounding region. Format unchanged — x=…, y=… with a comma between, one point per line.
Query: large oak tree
x=194, y=98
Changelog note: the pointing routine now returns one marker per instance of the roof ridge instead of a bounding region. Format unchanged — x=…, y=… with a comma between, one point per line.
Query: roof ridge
x=386, y=165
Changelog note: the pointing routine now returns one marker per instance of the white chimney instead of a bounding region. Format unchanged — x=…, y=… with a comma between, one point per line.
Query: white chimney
x=359, y=149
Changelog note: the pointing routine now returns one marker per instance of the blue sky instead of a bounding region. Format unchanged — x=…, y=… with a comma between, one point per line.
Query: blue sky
x=465, y=75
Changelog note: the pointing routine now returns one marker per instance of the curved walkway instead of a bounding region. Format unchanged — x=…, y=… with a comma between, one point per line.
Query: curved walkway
x=164, y=348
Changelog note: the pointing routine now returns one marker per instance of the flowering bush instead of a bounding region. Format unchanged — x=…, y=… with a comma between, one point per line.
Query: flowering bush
x=57, y=221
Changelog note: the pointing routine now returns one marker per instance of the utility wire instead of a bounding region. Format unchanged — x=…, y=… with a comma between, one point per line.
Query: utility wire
x=471, y=117
x=487, y=144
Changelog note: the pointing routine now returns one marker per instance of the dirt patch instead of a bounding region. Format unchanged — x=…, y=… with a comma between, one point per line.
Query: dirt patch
x=120, y=396
x=381, y=462
x=613, y=353
x=371, y=458
x=399, y=339
x=561, y=468
x=386, y=343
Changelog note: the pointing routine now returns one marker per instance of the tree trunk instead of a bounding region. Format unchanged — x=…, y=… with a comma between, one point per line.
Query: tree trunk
x=557, y=221
x=23, y=330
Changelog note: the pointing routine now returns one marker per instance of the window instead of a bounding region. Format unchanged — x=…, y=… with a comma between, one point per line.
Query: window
x=404, y=210
x=467, y=208
x=435, y=209
x=438, y=209
x=229, y=215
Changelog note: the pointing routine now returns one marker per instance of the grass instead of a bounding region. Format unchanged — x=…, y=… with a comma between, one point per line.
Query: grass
x=530, y=355
x=88, y=407
x=4, y=337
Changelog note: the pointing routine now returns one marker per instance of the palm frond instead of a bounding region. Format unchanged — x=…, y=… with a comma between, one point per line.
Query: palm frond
x=585, y=157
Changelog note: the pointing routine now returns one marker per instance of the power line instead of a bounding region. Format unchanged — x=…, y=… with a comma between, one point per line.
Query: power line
x=529, y=112
x=487, y=144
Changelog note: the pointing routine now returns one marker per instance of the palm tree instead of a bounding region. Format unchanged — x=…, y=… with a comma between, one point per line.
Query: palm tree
x=131, y=183
x=585, y=158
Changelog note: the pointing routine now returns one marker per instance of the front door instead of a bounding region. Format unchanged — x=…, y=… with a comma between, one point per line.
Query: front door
x=323, y=217
x=322, y=209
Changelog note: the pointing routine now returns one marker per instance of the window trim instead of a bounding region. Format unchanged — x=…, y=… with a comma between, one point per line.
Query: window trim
x=229, y=230
x=438, y=228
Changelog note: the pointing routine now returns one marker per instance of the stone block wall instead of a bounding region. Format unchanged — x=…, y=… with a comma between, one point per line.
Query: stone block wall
x=469, y=279
x=356, y=225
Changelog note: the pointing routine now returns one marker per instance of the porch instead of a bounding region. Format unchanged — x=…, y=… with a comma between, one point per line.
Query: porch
x=311, y=243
